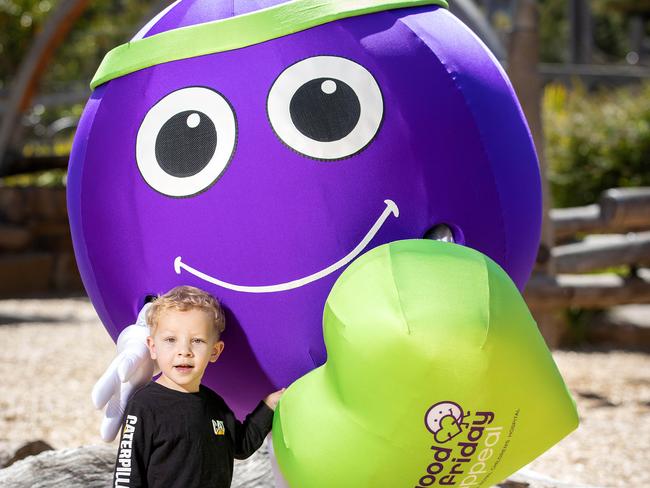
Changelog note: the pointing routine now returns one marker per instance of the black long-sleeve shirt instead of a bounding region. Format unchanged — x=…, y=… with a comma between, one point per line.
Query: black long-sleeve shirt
x=173, y=439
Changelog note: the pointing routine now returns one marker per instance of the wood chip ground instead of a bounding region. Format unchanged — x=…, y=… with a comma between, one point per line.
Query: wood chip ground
x=53, y=351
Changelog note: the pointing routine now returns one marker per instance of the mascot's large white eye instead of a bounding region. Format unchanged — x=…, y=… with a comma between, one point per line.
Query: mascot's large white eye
x=325, y=107
x=186, y=141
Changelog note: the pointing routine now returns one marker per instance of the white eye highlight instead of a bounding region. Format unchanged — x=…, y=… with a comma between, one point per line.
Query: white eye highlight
x=325, y=107
x=193, y=120
x=328, y=87
x=186, y=141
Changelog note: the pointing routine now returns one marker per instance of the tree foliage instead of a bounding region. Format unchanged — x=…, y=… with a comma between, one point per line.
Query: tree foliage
x=596, y=141
x=610, y=30
x=103, y=25
x=593, y=141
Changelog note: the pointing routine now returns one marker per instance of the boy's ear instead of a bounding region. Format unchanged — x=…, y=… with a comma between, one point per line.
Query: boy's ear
x=152, y=347
x=217, y=349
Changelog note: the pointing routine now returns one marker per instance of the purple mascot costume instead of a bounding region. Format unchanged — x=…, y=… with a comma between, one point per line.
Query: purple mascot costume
x=255, y=152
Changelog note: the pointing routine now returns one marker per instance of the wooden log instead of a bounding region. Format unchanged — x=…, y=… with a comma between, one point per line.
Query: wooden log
x=12, y=205
x=552, y=324
x=568, y=222
x=625, y=207
x=593, y=73
x=22, y=205
x=48, y=203
x=624, y=327
x=51, y=235
x=13, y=238
x=66, y=276
x=25, y=273
x=36, y=163
x=594, y=254
x=545, y=292
x=617, y=210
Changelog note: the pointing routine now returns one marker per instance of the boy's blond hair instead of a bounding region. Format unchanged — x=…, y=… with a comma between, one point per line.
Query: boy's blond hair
x=184, y=298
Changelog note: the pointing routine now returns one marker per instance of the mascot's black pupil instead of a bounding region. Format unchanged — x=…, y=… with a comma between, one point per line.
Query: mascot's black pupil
x=186, y=143
x=325, y=109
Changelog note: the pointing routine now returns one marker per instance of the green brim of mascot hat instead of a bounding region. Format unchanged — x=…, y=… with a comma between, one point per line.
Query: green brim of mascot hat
x=237, y=32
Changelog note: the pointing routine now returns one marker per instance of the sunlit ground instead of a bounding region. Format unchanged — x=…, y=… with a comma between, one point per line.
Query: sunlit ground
x=54, y=350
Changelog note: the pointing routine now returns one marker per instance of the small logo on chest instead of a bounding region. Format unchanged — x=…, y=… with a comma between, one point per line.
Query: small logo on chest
x=218, y=427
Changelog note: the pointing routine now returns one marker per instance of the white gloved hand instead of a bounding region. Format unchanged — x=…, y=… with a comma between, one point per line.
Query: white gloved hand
x=131, y=369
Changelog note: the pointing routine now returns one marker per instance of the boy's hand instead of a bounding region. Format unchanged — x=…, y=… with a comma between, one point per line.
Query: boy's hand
x=273, y=398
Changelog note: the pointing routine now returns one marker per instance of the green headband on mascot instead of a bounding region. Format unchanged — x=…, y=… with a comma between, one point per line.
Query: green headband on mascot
x=237, y=32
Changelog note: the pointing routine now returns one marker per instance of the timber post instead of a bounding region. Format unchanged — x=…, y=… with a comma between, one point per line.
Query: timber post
x=523, y=60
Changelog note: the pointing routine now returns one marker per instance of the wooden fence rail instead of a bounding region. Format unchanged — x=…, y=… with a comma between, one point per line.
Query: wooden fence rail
x=600, y=252
x=548, y=293
x=618, y=210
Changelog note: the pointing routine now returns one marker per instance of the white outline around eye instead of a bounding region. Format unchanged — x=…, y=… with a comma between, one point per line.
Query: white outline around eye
x=354, y=75
x=200, y=99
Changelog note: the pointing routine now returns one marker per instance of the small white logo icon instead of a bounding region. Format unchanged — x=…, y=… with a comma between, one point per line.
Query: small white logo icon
x=218, y=427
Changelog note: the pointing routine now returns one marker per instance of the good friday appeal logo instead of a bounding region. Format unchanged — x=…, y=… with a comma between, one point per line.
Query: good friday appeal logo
x=467, y=446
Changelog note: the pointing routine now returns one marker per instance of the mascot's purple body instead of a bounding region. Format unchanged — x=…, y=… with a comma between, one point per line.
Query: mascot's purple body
x=236, y=172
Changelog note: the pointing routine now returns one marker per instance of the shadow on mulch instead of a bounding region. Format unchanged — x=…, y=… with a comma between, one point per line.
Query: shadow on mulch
x=20, y=319
x=72, y=295
x=30, y=319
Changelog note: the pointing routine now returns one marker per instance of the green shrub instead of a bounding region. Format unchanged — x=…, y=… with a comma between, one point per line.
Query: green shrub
x=595, y=141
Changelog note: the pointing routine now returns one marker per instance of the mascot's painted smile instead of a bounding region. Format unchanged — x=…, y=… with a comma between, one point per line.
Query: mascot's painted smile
x=391, y=208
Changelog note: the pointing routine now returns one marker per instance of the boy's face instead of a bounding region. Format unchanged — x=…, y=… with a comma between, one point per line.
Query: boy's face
x=184, y=343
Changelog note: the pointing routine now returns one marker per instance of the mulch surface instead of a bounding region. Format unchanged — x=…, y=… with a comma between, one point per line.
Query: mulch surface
x=53, y=351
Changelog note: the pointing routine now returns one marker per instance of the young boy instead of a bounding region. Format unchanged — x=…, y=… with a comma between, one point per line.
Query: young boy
x=178, y=432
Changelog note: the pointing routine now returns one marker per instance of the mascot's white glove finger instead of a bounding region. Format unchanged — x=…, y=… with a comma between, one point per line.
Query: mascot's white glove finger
x=133, y=343
x=114, y=413
x=133, y=360
x=117, y=403
x=131, y=368
x=132, y=355
x=142, y=316
x=107, y=385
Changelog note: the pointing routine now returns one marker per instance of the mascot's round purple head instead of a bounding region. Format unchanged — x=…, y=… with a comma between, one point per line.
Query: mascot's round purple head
x=255, y=148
